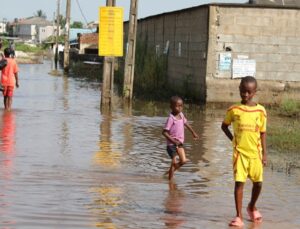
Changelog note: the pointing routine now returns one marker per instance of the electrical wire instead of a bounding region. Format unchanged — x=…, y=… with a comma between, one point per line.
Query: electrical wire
x=82, y=14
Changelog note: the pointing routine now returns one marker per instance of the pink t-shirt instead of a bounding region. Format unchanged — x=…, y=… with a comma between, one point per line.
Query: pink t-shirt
x=175, y=128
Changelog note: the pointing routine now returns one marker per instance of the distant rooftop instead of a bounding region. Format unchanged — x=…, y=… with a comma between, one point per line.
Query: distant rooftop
x=251, y=4
x=74, y=32
x=276, y=2
x=34, y=21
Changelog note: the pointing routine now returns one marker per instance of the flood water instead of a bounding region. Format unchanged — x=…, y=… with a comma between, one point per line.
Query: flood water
x=63, y=164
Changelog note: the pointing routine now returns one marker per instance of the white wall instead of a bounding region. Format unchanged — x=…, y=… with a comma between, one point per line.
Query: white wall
x=45, y=32
x=2, y=27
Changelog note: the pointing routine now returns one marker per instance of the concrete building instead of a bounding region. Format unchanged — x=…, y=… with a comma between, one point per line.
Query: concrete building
x=84, y=39
x=35, y=29
x=210, y=47
x=3, y=27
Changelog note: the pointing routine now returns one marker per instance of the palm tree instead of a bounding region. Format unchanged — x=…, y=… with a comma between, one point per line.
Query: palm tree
x=40, y=13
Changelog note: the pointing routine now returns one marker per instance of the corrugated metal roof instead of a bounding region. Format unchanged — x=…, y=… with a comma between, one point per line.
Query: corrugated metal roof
x=74, y=32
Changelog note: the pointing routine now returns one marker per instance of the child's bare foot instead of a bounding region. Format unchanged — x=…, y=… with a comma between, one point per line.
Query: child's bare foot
x=254, y=214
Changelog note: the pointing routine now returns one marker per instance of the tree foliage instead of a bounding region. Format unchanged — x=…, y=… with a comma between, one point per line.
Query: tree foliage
x=77, y=25
x=40, y=13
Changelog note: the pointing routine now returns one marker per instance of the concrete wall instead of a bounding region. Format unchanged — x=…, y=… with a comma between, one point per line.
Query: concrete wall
x=26, y=32
x=271, y=36
x=3, y=27
x=185, y=33
x=45, y=32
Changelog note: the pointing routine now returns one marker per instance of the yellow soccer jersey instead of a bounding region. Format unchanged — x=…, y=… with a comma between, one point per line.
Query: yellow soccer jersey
x=247, y=122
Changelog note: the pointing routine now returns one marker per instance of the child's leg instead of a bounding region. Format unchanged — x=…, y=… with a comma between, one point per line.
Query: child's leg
x=5, y=101
x=172, y=168
x=256, y=175
x=182, y=157
x=9, y=102
x=255, y=194
x=238, y=196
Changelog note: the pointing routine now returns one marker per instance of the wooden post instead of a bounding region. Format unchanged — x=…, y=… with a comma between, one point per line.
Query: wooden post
x=108, y=75
x=57, y=34
x=130, y=55
x=67, y=37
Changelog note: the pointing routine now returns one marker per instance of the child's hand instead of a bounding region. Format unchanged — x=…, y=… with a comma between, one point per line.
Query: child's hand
x=177, y=143
x=264, y=160
x=196, y=137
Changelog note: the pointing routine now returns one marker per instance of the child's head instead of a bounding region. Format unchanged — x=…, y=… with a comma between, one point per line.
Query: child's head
x=7, y=52
x=247, y=87
x=176, y=104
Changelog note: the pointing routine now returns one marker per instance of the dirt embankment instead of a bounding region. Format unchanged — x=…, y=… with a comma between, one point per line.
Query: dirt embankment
x=29, y=58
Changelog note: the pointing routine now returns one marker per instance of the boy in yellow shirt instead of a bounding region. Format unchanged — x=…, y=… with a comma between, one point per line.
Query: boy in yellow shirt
x=249, y=121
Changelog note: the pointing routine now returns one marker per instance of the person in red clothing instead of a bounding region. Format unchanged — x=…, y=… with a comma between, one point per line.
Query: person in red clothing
x=9, y=79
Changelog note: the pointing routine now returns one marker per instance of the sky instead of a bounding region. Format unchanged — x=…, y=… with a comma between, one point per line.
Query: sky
x=11, y=9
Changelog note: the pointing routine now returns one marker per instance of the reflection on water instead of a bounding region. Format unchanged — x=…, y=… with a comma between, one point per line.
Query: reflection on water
x=173, y=214
x=7, y=143
x=7, y=132
x=63, y=164
x=107, y=197
x=108, y=155
x=7, y=155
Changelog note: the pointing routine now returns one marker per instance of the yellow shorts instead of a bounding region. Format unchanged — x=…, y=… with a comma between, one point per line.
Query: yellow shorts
x=244, y=167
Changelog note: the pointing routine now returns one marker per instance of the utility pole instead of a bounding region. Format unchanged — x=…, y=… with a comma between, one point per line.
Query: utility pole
x=130, y=55
x=108, y=74
x=67, y=35
x=57, y=34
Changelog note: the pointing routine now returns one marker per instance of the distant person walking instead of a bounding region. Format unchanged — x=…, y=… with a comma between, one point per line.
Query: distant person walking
x=9, y=79
x=12, y=49
x=174, y=133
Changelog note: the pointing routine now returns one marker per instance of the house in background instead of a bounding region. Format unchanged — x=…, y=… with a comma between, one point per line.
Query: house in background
x=93, y=25
x=35, y=29
x=3, y=27
x=83, y=40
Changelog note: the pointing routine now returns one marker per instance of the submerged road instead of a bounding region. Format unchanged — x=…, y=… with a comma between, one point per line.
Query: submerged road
x=63, y=164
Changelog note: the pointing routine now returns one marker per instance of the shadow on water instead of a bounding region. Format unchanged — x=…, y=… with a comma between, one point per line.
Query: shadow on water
x=64, y=164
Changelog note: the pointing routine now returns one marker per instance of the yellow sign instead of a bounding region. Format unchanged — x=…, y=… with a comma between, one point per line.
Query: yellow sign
x=110, y=31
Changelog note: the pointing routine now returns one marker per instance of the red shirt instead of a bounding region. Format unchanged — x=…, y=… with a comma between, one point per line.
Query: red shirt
x=8, y=73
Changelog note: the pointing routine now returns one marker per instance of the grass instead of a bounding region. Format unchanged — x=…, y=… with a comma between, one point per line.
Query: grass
x=283, y=127
x=289, y=108
x=284, y=135
x=283, y=142
x=24, y=47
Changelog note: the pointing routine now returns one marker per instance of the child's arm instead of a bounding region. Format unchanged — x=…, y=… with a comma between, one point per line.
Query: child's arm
x=227, y=132
x=192, y=131
x=167, y=136
x=17, y=79
x=264, y=147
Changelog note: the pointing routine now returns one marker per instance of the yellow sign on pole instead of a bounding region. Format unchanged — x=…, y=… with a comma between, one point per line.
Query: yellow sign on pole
x=110, y=31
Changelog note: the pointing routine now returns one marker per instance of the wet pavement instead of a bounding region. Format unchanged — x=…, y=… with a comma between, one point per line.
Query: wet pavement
x=63, y=164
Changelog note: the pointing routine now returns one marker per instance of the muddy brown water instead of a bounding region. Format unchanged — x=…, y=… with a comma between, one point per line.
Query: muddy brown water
x=63, y=164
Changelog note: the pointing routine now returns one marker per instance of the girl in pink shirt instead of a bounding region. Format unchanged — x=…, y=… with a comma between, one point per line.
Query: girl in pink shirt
x=174, y=133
